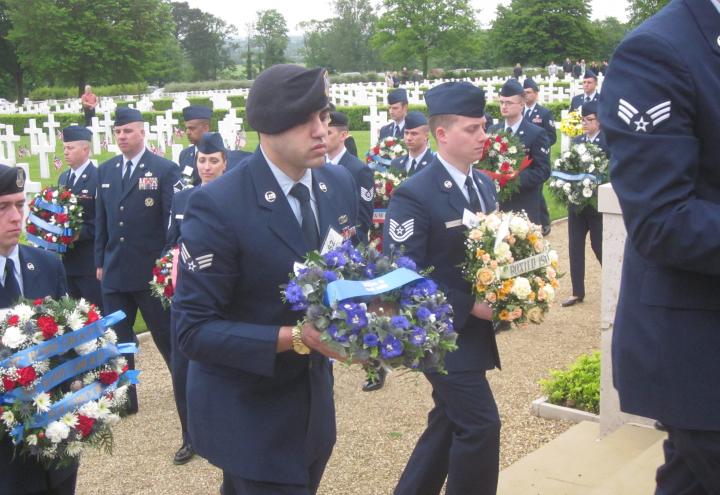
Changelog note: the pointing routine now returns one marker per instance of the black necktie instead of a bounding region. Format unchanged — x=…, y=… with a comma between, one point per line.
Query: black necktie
x=71, y=180
x=527, y=113
x=587, y=99
x=509, y=130
x=413, y=166
x=397, y=131
x=126, y=176
x=472, y=194
x=309, y=227
x=12, y=289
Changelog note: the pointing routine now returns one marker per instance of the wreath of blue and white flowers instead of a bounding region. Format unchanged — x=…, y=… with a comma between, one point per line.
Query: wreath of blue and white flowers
x=409, y=325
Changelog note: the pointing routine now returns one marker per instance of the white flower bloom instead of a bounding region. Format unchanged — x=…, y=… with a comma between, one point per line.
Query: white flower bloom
x=90, y=409
x=110, y=336
x=42, y=367
x=503, y=251
x=87, y=347
x=56, y=431
x=552, y=254
x=591, y=168
x=567, y=187
x=496, y=146
x=549, y=293
x=8, y=418
x=120, y=395
x=587, y=192
x=31, y=440
x=37, y=338
x=512, y=150
x=24, y=312
x=521, y=287
x=83, y=306
x=519, y=227
x=74, y=449
x=42, y=402
x=492, y=222
x=76, y=320
x=586, y=182
x=560, y=183
x=70, y=419
x=586, y=158
x=581, y=149
x=103, y=408
x=13, y=338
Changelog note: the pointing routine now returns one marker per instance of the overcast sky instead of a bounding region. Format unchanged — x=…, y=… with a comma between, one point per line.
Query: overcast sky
x=296, y=11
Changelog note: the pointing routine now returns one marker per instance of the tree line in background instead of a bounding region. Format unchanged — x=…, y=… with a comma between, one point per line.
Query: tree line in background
x=77, y=42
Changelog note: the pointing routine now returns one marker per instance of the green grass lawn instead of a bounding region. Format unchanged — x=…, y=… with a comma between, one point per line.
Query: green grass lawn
x=362, y=139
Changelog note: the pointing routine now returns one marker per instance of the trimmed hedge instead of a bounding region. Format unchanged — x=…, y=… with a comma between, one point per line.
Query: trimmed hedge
x=207, y=85
x=21, y=121
x=64, y=92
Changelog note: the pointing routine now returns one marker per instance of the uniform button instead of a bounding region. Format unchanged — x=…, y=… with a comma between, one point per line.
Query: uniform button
x=121, y=224
x=718, y=40
x=122, y=239
x=122, y=208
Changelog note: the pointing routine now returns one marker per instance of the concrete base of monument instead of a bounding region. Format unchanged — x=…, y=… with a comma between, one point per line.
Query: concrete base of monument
x=544, y=409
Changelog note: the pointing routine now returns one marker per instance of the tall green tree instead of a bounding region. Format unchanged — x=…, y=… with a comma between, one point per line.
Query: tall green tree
x=11, y=71
x=536, y=31
x=206, y=40
x=414, y=30
x=78, y=41
x=271, y=37
x=639, y=10
x=609, y=32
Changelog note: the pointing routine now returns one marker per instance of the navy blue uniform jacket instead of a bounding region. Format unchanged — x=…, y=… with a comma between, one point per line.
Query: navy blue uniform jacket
x=249, y=408
x=365, y=181
x=659, y=110
x=578, y=100
x=43, y=275
x=80, y=260
x=532, y=178
x=543, y=117
x=400, y=163
x=429, y=207
x=131, y=225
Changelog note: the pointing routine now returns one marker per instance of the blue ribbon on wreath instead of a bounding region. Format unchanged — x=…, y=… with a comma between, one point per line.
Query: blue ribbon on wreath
x=52, y=228
x=340, y=290
x=575, y=177
x=50, y=246
x=41, y=203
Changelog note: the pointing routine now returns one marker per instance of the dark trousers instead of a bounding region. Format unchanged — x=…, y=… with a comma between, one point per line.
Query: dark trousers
x=233, y=485
x=692, y=463
x=156, y=317
x=544, y=213
x=461, y=441
x=179, y=370
x=89, y=114
x=579, y=224
x=26, y=476
x=87, y=287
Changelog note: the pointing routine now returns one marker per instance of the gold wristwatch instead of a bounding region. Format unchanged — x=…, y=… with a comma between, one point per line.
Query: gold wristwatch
x=297, y=344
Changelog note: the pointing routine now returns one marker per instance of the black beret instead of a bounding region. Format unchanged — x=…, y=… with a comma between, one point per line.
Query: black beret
x=397, y=96
x=590, y=75
x=284, y=96
x=415, y=119
x=211, y=142
x=338, y=119
x=12, y=180
x=124, y=115
x=76, y=133
x=456, y=98
x=589, y=108
x=194, y=112
x=511, y=88
x=530, y=84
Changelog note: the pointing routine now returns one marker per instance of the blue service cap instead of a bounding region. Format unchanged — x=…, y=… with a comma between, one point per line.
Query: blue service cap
x=589, y=108
x=590, y=75
x=211, y=142
x=194, y=112
x=338, y=119
x=284, y=96
x=511, y=88
x=415, y=119
x=530, y=84
x=125, y=115
x=397, y=96
x=12, y=180
x=456, y=98
x=76, y=133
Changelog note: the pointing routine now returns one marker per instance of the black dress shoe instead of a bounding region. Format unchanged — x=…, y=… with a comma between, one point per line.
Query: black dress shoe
x=546, y=230
x=572, y=301
x=184, y=454
x=376, y=384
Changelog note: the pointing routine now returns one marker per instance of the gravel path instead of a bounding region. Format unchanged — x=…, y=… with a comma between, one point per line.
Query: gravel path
x=376, y=431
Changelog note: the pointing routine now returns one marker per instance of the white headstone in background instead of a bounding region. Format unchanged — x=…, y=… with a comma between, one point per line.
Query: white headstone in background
x=377, y=120
x=220, y=102
x=180, y=102
x=44, y=149
x=33, y=132
x=51, y=126
x=31, y=187
x=8, y=139
x=170, y=122
x=96, y=139
x=176, y=149
x=228, y=128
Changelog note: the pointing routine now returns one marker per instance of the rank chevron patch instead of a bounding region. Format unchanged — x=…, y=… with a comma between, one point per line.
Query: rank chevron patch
x=401, y=232
x=367, y=194
x=195, y=264
x=643, y=122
